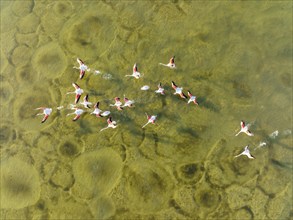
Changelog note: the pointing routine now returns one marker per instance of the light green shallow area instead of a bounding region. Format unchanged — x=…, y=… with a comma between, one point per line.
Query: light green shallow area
x=235, y=56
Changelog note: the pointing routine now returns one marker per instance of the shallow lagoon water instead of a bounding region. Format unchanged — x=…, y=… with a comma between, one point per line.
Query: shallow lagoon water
x=236, y=57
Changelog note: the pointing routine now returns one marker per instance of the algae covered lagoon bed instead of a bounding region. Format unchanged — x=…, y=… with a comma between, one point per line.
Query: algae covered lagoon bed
x=234, y=56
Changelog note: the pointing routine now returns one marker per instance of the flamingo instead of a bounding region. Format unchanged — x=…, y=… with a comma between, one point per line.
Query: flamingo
x=111, y=124
x=46, y=112
x=171, y=63
x=117, y=104
x=244, y=128
x=135, y=72
x=151, y=119
x=246, y=152
x=98, y=112
x=128, y=102
x=192, y=98
x=82, y=68
x=160, y=89
x=77, y=112
x=78, y=91
x=178, y=90
x=86, y=102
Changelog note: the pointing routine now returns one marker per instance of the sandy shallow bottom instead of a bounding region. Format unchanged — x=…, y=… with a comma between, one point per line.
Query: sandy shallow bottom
x=236, y=57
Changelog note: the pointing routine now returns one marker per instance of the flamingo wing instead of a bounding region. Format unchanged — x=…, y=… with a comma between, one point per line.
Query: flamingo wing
x=77, y=97
x=135, y=68
x=174, y=85
x=97, y=105
x=80, y=62
x=75, y=86
x=45, y=118
x=76, y=117
x=242, y=124
x=81, y=74
x=109, y=120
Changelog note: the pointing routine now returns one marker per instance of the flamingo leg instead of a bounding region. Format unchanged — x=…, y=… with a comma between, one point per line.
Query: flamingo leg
x=104, y=129
x=146, y=124
x=238, y=133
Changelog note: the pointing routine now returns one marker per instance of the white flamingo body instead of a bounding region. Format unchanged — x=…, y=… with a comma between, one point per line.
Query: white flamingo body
x=244, y=129
x=246, y=152
x=145, y=87
x=46, y=112
x=105, y=113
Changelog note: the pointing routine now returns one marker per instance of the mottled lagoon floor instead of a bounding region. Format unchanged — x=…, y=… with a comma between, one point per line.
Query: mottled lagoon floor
x=235, y=56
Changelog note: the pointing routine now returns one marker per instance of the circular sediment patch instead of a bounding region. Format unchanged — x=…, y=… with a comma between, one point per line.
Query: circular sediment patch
x=7, y=132
x=6, y=93
x=63, y=8
x=50, y=60
x=20, y=186
x=102, y=208
x=190, y=172
x=21, y=55
x=149, y=187
x=22, y=8
x=81, y=35
x=70, y=148
x=96, y=172
x=28, y=24
x=208, y=198
x=25, y=74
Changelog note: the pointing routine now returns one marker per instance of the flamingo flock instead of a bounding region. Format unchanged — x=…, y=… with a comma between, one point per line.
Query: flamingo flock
x=119, y=105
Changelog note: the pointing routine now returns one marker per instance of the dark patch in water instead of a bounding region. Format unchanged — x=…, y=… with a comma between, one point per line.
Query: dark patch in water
x=84, y=127
x=203, y=102
x=208, y=198
x=69, y=149
x=286, y=79
x=281, y=164
x=242, y=90
x=5, y=134
x=189, y=131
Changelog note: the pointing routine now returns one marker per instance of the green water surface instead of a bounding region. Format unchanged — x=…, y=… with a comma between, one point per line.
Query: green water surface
x=235, y=56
